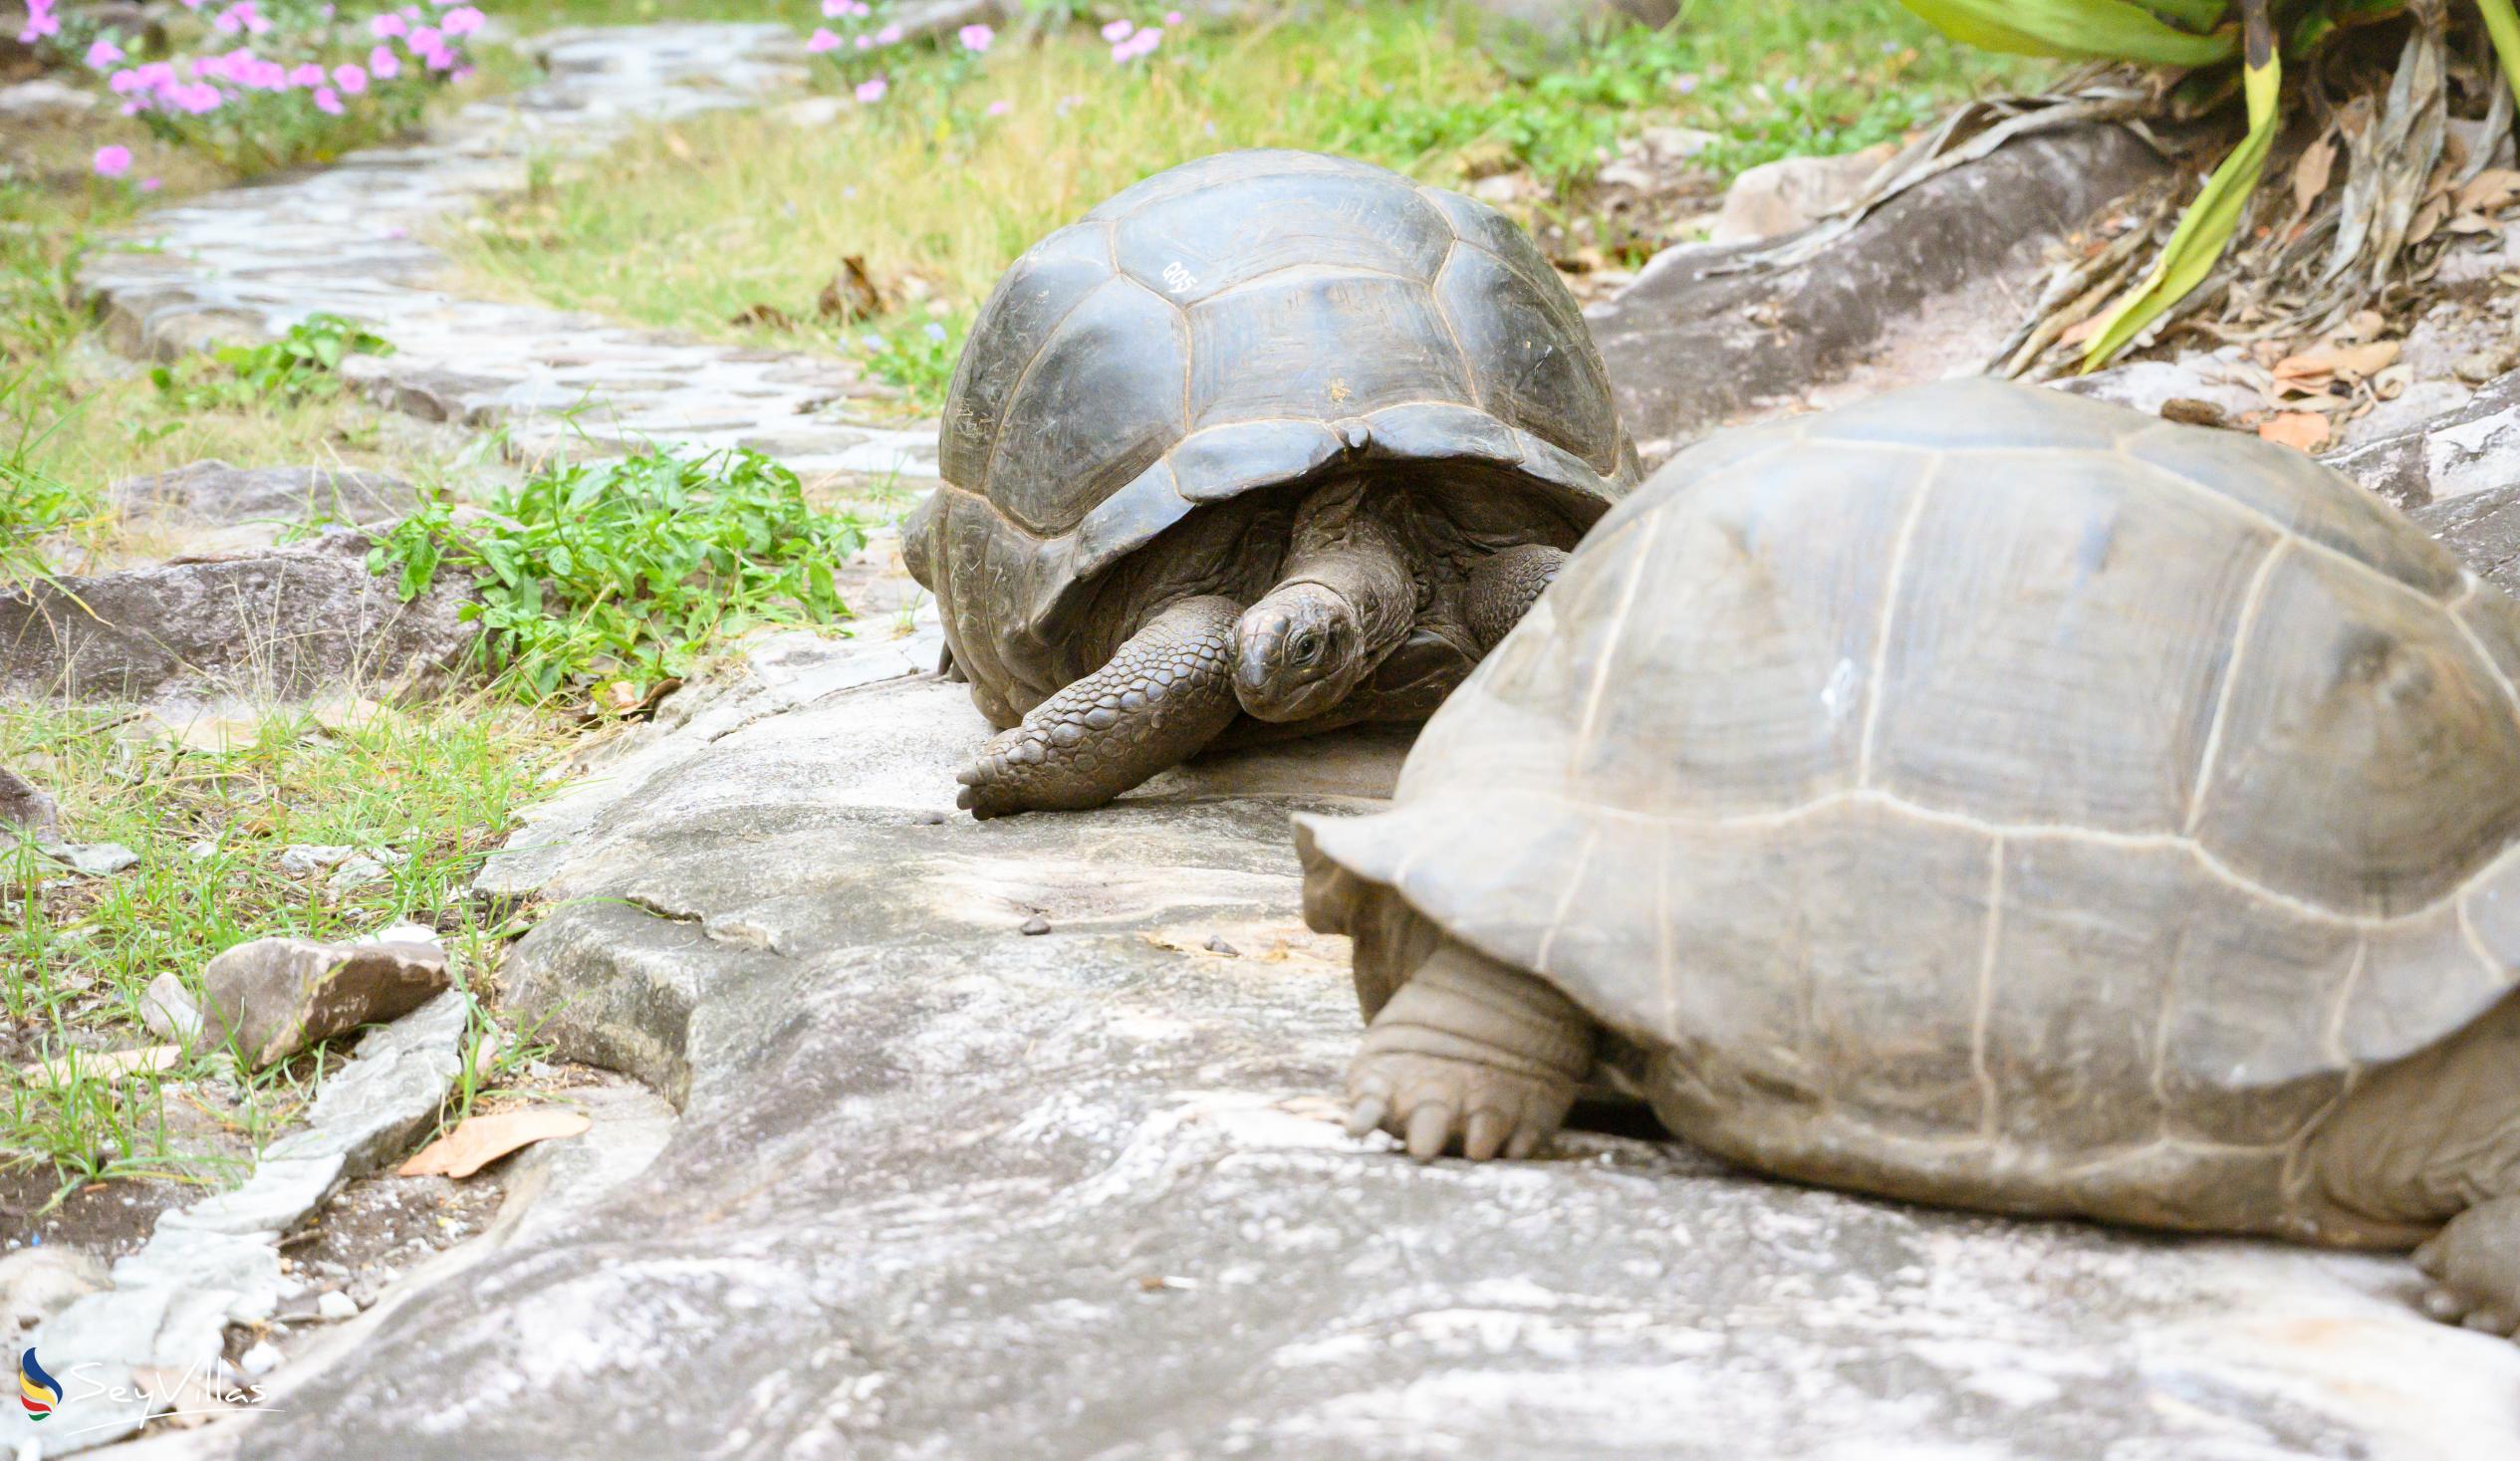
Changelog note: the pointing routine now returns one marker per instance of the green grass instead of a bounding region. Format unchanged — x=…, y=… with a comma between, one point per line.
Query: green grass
x=693, y=225
x=440, y=785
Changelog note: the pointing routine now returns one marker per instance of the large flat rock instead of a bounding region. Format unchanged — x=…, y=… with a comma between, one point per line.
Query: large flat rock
x=1928, y=283
x=940, y=1189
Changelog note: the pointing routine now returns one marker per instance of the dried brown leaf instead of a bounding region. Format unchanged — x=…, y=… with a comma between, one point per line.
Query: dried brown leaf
x=2311, y=173
x=480, y=1140
x=2302, y=430
x=2331, y=359
x=2490, y=191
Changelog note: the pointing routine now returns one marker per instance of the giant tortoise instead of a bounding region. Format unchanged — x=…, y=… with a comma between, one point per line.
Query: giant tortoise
x=1986, y=797
x=1271, y=435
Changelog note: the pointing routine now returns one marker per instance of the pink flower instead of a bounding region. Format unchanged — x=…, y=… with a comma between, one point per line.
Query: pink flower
x=890, y=34
x=872, y=92
x=1137, y=45
x=198, y=98
x=308, y=73
x=439, y=60
x=102, y=53
x=976, y=37
x=387, y=26
x=382, y=65
x=1000, y=107
x=113, y=161
x=424, y=39
x=1117, y=31
x=463, y=20
x=866, y=43
x=151, y=184
x=822, y=40
x=327, y=101
x=124, y=83
x=351, y=80
x=1172, y=17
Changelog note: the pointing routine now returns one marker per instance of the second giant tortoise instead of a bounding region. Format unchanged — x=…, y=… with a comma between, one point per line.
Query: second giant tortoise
x=1271, y=436
x=1985, y=797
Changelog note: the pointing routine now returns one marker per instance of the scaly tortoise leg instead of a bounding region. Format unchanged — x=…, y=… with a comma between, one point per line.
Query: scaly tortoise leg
x=1473, y=1052
x=1504, y=587
x=1158, y=701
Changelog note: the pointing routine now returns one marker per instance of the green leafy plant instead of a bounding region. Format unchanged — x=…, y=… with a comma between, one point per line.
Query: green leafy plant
x=916, y=354
x=2191, y=34
x=629, y=569
x=301, y=365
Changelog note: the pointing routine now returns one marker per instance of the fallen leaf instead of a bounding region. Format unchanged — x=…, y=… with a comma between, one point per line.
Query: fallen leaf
x=851, y=295
x=2310, y=175
x=769, y=317
x=2490, y=191
x=2428, y=218
x=2353, y=361
x=480, y=1140
x=2082, y=332
x=108, y=1064
x=2303, y=432
x=676, y=145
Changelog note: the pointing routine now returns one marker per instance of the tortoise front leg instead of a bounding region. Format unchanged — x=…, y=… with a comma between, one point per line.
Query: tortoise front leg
x=1158, y=701
x=1504, y=587
x=1473, y=1052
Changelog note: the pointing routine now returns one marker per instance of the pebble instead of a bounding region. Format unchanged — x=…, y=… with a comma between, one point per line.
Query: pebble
x=1034, y=926
x=93, y=859
x=261, y=1359
x=335, y=1306
x=1216, y=945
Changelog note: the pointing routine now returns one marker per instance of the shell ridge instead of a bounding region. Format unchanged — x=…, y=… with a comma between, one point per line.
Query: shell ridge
x=2231, y=670
x=1877, y=689
x=1981, y=1022
x=1589, y=728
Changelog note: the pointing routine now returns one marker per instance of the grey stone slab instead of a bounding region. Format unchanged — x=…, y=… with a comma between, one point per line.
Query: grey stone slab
x=2472, y=448
x=943, y=1189
x=283, y=622
x=1694, y=345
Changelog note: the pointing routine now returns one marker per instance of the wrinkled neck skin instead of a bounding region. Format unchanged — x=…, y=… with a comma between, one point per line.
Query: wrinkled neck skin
x=1345, y=600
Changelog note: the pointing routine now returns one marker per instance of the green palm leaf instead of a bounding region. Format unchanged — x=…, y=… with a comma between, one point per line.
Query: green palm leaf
x=2206, y=229
x=2089, y=30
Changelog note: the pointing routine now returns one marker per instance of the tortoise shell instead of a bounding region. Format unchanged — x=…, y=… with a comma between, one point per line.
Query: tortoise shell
x=1988, y=796
x=1245, y=322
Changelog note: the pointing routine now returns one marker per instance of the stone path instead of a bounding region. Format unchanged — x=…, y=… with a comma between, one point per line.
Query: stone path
x=353, y=240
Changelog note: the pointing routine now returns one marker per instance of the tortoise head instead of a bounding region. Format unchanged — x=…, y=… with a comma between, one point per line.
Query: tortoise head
x=1298, y=653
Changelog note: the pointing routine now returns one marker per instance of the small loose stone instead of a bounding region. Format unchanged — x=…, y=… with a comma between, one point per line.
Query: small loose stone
x=1034, y=926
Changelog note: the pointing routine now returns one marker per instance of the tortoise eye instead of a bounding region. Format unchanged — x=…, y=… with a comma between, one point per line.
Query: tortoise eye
x=1306, y=646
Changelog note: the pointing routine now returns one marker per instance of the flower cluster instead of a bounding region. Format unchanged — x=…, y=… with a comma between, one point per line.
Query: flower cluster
x=1129, y=39
x=279, y=81
x=856, y=30
x=42, y=22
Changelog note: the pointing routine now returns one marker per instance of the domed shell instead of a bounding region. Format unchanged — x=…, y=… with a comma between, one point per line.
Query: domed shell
x=1985, y=794
x=1241, y=321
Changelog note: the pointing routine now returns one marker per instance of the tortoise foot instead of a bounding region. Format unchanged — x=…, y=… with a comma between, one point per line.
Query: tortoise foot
x=1471, y=1055
x=2474, y=1268
x=1162, y=697
x=1434, y=1103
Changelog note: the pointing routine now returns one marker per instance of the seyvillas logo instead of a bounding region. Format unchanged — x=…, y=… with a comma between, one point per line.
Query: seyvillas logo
x=37, y=1391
